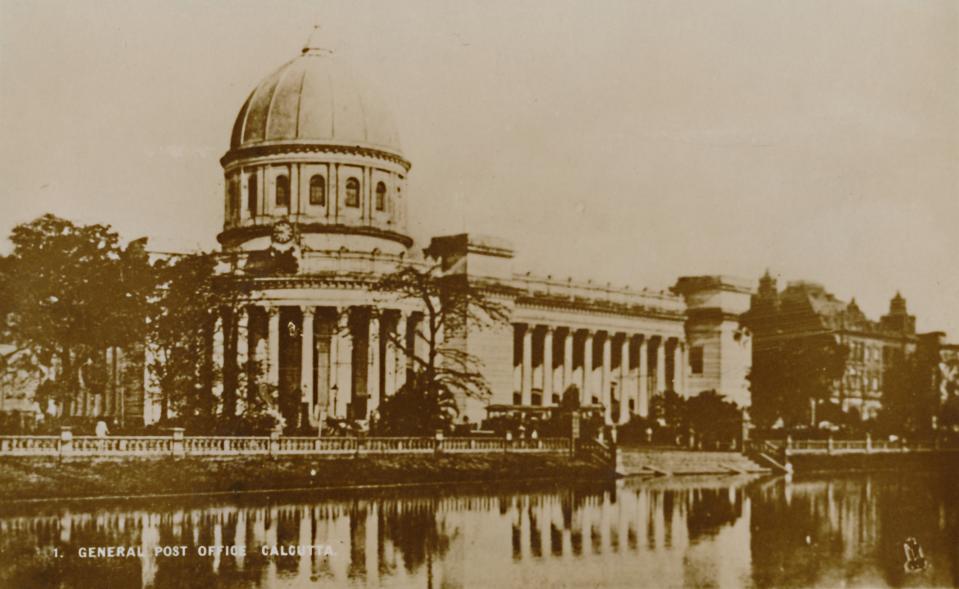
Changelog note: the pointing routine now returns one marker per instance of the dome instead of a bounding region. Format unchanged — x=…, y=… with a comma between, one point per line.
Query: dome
x=314, y=99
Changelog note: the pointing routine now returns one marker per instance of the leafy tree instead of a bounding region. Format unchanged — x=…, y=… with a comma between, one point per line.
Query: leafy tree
x=713, y=418
x=452, y=306
x=69, y=293
x=786, y=377
x=418, y=408
x=181, y=336
x=909, y=397
x=192, y=296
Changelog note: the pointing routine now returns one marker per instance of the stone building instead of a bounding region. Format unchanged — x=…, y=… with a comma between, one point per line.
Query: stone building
x=315, y=175
x=805, y=309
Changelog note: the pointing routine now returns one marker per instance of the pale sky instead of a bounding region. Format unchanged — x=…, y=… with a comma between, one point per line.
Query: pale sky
x=630, y=142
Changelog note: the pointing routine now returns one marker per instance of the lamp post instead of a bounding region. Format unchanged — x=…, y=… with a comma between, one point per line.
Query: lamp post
x=335, y=390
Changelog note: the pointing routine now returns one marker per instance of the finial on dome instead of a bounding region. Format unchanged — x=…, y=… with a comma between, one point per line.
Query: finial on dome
x=313, y=43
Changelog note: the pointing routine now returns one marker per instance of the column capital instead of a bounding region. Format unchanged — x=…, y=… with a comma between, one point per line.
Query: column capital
x=272, y=310
x=308, y=310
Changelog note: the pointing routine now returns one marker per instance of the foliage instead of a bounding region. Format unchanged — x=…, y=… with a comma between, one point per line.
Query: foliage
x=181, y=331
x=69, y=293
x=452, y=306
x=713, y=418
x=910, y=399
x=191, y=296
x=419, y=408
x=786, y=377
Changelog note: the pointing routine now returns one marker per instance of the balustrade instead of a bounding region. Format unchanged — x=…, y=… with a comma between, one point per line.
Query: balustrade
x=69, y=446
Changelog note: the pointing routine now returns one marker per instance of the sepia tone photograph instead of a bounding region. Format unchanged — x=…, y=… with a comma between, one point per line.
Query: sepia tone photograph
x=430, y=294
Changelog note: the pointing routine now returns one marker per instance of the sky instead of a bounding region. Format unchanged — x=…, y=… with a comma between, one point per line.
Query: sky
x=629, y=142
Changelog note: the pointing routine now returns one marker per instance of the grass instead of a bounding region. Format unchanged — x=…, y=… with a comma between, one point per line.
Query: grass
x=47, y=479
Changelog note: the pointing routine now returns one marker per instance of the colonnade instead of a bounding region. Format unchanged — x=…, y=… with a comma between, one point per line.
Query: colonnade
x=333, y=362
x=620, y=371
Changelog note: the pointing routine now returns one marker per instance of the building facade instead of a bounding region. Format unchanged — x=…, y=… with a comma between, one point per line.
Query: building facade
x=806, y=309
x=315, y=213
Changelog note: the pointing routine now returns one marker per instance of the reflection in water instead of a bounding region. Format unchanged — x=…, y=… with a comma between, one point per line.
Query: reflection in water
x=727, y=532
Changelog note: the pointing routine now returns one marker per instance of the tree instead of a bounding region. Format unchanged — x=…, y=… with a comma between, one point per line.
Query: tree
x=194, y=303
x=70, y=292
x=909, y=396
x=713, y=418
x=416, y=409
x=785, y=378
x=452, y=307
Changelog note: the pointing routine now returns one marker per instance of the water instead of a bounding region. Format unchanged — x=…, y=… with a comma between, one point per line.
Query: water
x=702, y=532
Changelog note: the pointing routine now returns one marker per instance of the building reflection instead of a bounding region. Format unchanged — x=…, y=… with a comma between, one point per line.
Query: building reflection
x=726, y=532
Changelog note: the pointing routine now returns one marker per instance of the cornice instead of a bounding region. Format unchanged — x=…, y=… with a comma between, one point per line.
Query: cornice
x=236, y=235
x=595, y=306
x=263, y=150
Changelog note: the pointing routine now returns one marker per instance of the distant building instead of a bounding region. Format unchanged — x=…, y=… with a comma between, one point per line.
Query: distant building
x=805, y=309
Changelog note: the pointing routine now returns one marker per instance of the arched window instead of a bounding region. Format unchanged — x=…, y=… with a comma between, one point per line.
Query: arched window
x=233, y=196
x=251, y=194
x=283, y=191
x=318, y=190
x=353, y=193
x=381, y=196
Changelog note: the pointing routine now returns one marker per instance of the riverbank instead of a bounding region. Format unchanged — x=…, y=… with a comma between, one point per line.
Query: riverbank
x=26, y=479
x=905, y=462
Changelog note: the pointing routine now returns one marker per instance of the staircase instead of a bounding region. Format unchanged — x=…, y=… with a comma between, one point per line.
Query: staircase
x=667, y=462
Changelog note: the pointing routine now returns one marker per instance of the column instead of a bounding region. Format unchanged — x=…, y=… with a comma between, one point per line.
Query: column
x=527, y=365
x=567, y=360
x=660, y=365
x=373, y=370
x=548, y=366
x=273, y=344
x=389, y=362
x=624, y=380
x=587, y=392
x=402, y=362
x=607, y=373
x=642, y=400
x=219, y=343
x=342, y=388
x=681, y=365
x=242, y=355
x=306, y=363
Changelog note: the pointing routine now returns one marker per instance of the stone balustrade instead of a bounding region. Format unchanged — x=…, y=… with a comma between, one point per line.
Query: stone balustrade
x=832, y=446
x=66, y=445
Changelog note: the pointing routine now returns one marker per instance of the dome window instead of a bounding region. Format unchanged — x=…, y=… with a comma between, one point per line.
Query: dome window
x=353, y=193
x=318, y=190
x=283, y=191
x=251, y=194
x=380, y=196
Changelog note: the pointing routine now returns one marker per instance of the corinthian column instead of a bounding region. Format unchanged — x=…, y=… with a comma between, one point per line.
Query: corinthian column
x=306, y=366
x=548, y=366
x=373, y=372
x=607, y=373
x=567, y=360
x=588, y=368
x=527, y=365
x=624, y=380
x=273, y=345
x=642, y=401
x=660, y=366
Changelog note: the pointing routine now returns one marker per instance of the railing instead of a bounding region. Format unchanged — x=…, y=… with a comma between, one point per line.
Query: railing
x=791, y=447
x=67, y=445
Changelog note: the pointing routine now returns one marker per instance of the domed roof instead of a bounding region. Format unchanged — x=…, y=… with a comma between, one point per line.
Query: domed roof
x=314, y=99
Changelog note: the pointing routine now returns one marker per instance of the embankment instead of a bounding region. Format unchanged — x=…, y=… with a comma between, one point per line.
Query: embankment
x=34, y=478
x=907, y=461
